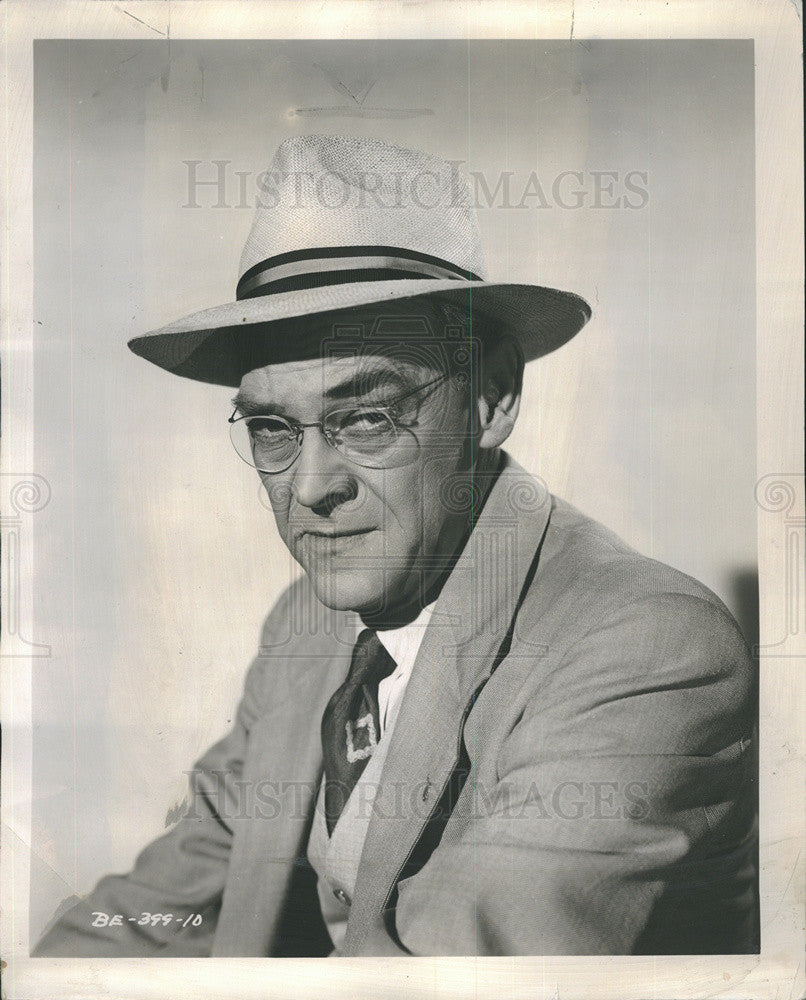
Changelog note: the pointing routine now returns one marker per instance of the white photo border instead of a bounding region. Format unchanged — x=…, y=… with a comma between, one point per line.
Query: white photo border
x=776, y=30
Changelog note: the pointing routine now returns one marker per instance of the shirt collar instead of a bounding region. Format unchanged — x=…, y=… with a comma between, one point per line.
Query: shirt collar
x=403, y=643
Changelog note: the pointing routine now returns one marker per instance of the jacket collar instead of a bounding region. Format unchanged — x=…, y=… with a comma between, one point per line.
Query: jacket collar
x=481, y=595
x=462, y=646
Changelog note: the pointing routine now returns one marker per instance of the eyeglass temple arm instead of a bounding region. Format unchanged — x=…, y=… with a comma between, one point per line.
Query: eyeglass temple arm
x=419, y=388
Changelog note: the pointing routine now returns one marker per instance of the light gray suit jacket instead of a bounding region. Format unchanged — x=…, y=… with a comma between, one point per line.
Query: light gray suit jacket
x=572, y=771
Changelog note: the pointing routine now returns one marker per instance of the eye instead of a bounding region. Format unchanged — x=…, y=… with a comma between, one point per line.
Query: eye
x=363, y=421
x=267, y=430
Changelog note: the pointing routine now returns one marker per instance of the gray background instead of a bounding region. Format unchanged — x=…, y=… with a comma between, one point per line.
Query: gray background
x=156, y=560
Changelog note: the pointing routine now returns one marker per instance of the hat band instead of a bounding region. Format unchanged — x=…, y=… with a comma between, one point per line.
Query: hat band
x=314, y=268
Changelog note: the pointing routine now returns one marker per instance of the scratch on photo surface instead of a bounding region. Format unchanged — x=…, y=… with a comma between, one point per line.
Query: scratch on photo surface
x=344, y=111
x=166, y=73
x=145, y=23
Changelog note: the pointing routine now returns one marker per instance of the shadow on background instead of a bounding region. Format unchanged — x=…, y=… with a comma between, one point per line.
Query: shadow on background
x=744, y=585
x=746, y=602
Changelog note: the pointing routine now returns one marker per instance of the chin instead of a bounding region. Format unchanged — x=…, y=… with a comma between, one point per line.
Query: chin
x=348, y=590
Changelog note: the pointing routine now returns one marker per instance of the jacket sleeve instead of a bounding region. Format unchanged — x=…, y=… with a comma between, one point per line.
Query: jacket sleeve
x=182, y=874
x=625, y=783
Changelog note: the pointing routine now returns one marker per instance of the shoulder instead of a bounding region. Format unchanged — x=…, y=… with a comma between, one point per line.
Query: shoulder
x=592, y=590
x=589, y=575
x=298, y=623
x=298, y=634
x=634, y=642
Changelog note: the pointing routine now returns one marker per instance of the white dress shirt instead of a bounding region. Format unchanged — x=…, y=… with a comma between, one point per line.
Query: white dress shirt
x=402, y=644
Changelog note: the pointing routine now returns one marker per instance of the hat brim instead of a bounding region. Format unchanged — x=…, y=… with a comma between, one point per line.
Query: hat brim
x=200, y=346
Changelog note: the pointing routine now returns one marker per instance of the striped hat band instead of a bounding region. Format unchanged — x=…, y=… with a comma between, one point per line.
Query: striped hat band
x=316, y=267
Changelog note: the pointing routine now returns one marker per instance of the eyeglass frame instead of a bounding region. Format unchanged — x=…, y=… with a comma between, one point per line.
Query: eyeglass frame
x=299, y=428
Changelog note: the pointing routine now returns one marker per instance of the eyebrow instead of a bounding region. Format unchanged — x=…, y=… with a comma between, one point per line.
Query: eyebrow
x=372, y=380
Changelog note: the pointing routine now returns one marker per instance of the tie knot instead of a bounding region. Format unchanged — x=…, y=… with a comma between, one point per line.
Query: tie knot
x=371, y=661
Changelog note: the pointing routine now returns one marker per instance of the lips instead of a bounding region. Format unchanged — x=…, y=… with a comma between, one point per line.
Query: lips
x=327, y=543
x=334, y=533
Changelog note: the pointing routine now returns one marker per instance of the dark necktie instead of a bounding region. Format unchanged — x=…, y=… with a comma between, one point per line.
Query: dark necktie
x=351, y=725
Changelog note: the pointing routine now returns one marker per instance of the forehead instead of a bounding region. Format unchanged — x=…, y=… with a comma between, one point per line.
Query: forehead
x=317, y=379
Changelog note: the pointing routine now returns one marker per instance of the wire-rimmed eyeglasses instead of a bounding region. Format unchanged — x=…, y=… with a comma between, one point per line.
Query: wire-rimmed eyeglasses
x=367, y=435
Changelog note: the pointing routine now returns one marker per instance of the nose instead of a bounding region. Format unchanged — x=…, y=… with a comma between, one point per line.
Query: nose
x=321, y=479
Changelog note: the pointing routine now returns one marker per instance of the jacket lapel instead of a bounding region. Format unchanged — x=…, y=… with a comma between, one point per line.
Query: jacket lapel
x=459, y=650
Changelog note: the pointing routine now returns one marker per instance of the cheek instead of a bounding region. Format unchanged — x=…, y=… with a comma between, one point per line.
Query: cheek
x=445, y=490
x=414, y=503
x=435, y=480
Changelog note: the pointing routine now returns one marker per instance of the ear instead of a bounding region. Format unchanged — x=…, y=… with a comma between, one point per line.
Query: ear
x=499, y=394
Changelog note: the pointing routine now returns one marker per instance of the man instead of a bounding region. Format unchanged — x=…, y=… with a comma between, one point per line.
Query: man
x=479, y=723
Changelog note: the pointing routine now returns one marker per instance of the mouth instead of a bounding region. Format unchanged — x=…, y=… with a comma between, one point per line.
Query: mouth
x=334, y=533
x=326, y=542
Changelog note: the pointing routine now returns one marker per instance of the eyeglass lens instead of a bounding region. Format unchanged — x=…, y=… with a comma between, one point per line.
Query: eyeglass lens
x=365, y=435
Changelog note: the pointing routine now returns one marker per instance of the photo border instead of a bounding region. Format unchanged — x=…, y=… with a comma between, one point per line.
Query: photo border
x=776, y=30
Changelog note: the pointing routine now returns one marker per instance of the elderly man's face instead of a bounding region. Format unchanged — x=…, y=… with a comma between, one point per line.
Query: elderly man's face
x=366, y=537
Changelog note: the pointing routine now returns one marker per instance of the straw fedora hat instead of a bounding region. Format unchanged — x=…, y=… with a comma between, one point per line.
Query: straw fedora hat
x=343, y=222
